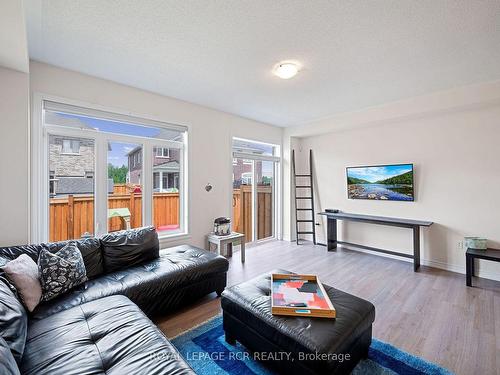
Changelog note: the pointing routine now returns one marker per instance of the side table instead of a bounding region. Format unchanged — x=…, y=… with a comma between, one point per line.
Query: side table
x=471, y=254
x=227, y=243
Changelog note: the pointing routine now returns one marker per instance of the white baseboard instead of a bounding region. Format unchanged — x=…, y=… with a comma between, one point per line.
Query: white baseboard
x=459, y=269
x=431, y=263
x=443, y=266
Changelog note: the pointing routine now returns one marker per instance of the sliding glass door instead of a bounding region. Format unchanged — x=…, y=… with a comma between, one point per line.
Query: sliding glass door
x=265, y=199
x=254, y=200
x=243, y=170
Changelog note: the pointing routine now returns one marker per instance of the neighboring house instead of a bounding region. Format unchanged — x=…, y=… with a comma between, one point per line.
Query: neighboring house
x=242, y=169
x=71, y=166
x=165, y=168
x=242, y=172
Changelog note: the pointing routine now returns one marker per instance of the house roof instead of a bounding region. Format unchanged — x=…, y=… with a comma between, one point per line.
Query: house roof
x=170, y=166
x=78, y=185
x=134, y=150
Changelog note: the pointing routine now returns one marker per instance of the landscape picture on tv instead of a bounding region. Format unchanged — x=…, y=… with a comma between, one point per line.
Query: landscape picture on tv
x=381, y=182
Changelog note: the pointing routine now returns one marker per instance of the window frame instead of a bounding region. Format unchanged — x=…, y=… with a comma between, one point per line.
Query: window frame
x=39, y=166
x=71, y=143
x=163, y=156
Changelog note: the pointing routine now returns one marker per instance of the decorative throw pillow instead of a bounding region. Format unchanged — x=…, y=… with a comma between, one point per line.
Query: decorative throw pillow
x=61, y=271
x=22, y=272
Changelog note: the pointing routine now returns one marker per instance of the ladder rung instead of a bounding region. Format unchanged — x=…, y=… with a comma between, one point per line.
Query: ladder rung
x=304, y=209
x=305, y=232
x=305, y=221
x=303, y=186
x=302, y=175
x=303, y=197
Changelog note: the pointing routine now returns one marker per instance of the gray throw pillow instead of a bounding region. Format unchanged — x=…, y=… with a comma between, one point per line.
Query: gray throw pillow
x=61, y=271
x=22, y=272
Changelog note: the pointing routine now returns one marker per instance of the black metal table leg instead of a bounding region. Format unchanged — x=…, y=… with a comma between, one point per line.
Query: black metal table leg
x=416, y=248
x=331, y=231
x=468, y=269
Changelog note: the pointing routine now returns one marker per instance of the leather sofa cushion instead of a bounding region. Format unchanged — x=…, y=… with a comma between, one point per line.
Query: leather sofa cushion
x=126, y=249
x=13, y=320
x=89, y=247
x=8, y=365
x=9, y=253
x=148, y=284
x=250, y=303
x=108, y=336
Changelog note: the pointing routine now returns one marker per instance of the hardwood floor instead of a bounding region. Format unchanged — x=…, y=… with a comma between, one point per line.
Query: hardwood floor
x=430, y=313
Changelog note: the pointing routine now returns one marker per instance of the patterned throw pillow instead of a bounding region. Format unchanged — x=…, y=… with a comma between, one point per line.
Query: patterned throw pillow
x=61, y=271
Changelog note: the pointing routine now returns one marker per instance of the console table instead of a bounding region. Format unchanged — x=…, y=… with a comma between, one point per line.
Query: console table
x=471, y=254
x=414, y=225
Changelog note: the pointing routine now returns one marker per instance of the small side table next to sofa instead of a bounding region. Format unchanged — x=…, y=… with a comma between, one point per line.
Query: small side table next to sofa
x=226, y=243
x=471, y=254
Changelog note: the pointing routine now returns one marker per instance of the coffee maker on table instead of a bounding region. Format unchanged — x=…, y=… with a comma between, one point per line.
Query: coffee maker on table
x=222, y=226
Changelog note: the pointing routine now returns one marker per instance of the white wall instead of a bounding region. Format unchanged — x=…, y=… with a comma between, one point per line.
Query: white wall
x=14, y=198
x=210, y=134
x=13, y=42
x=455, y=148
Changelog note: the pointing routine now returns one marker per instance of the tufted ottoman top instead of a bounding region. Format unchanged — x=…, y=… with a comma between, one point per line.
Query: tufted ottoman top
x=250, y=303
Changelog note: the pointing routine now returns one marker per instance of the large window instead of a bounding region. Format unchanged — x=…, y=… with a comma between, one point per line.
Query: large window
x=101, y=172
x=255, y=192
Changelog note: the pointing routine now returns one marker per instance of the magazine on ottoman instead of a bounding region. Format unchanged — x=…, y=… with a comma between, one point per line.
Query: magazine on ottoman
x=300, y=295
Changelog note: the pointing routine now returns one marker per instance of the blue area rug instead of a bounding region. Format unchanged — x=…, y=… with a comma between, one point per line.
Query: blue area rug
x=206, y=350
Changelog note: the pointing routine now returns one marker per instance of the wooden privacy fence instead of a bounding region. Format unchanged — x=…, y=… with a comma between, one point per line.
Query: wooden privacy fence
x=242, y=211
x=72, y=216
x=122, y=188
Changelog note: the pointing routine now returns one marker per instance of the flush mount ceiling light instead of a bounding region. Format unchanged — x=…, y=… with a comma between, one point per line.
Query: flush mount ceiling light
x=286, y=70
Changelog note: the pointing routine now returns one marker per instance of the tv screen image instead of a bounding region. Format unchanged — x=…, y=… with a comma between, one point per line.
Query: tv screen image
x=381, y=182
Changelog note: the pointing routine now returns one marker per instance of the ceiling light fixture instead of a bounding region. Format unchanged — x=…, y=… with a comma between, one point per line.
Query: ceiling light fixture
x=286, y=70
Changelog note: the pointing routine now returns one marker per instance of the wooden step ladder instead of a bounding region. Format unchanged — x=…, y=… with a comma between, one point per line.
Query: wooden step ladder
x=309, y=197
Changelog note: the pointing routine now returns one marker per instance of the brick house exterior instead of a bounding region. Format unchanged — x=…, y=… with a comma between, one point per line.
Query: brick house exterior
x=71, y=157
x=166, y=168
x=71, y=166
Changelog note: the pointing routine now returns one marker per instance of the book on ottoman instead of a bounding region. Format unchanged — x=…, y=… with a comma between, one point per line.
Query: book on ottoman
x=300, y=295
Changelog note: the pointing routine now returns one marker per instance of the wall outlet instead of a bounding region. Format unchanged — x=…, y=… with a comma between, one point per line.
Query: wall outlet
x=460, y=245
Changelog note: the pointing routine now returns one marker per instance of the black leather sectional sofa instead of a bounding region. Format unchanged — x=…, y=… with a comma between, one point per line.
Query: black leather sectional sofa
x=102, y=326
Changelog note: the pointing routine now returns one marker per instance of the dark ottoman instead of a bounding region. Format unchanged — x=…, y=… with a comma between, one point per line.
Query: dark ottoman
x=297, y=345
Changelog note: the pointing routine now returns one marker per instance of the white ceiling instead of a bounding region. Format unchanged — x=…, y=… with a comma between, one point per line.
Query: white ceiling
x=220, y=54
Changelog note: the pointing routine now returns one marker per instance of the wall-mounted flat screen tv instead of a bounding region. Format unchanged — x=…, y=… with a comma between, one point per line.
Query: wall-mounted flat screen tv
x=381, y=182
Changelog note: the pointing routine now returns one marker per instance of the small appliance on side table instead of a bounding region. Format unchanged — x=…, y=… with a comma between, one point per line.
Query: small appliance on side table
x=224, y=239
x=222, y=226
